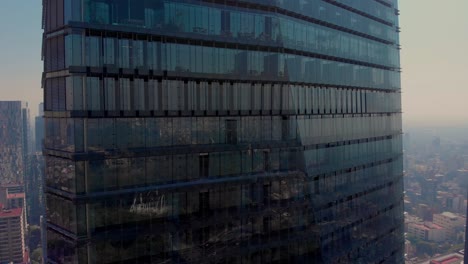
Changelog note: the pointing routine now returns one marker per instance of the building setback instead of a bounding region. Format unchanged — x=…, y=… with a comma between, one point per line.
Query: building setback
x=223, y=131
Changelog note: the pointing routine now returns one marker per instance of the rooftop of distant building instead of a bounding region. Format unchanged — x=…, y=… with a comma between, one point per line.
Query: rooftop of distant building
x=450, y=259
x=433, y=226
x=15, y=195
x=6, y=213
x=450, y=215
x=420, y=226
x=453, y=258
x=9, y=185
x=426, y=225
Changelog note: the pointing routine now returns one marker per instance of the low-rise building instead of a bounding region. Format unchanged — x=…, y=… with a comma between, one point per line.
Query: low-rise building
x=454, y=258
x=427, y=231
x=450, y=221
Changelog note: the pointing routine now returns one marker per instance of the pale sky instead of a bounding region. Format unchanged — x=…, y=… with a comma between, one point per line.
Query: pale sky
x=434, y=59
x=20, y=51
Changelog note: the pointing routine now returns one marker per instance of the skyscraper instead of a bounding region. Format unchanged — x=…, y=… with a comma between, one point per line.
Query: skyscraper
x=223, y=131
x=14, y=129
x=39, y=129
x=36, y=171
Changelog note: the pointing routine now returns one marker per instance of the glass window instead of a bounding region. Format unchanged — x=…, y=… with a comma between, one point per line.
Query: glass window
x=153, y=55
x=138, y=55
x=72, y=10
x=179, y=167
x=124, y=96
x=109, y=51
x=69, y=93
x=110, y=94
x=93, y=51
x=93, y=93
x=124, y=53
x=73, y=50
x=97, y=12
x=140, y=96
x=154, y=95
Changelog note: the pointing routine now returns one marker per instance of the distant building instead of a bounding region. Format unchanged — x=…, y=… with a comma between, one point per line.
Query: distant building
x=454, y=258
x=465, y=161
x=16, y=200
x=12, y=246
x=14, y=151
x=450, y=221
x=429, y=190
x=14, y=130
x=13, y=197
x=424, y=212
x=409, y=219
x=13, y=188
x=409, y=248
x=35, y=189
x=436, y=142
x=39, y=128
x=427, y=231
x=34, y=175
x=455, y=203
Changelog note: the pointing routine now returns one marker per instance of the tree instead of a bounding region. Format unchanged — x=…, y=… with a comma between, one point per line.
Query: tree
x=34, y=237
x=427, y=248
x=36, y=256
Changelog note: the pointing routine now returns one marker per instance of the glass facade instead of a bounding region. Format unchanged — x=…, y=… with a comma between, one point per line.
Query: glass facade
x=252, y=131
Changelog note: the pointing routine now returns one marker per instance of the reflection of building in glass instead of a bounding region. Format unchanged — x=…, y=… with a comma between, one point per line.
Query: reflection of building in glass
x=14, y=120
x=209, y=131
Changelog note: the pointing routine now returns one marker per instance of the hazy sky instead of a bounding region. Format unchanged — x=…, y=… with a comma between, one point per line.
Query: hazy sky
x=20, y=51
x=434, y=59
